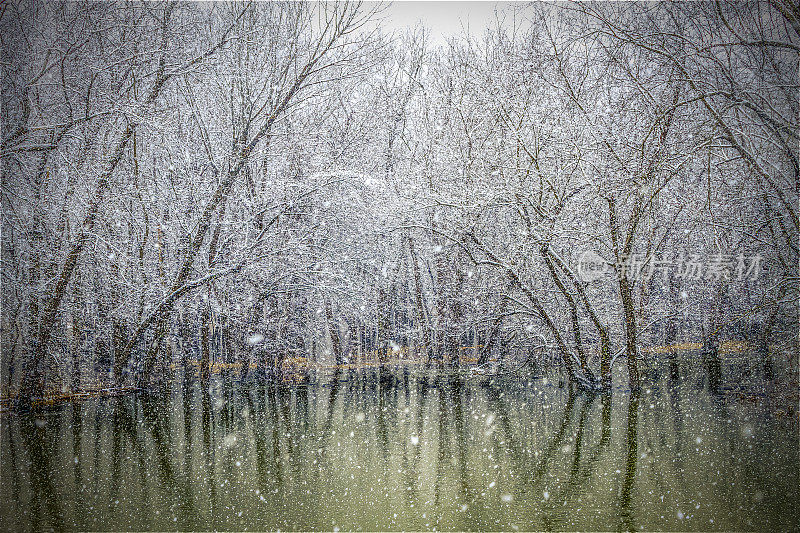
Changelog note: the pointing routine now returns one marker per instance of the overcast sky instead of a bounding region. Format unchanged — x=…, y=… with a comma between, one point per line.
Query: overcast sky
x=444, y=19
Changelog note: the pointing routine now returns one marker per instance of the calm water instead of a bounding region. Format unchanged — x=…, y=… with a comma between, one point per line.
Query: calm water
x=405, y=451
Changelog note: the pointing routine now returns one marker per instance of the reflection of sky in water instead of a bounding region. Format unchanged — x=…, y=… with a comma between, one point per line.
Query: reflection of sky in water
x=444, y=454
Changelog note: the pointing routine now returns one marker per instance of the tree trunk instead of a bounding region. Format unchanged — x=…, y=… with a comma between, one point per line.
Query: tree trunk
x=333, y=330
x=31, y=384
x=382, y=325
x=630, y=331
x=205, y=352
x=419, y=300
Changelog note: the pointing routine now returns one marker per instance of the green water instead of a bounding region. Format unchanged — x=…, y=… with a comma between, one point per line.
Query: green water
x=410, y=451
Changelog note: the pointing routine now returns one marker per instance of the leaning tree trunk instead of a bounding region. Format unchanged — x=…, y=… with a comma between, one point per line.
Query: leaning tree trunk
x=573, y=308
x=574, y=373
x=31, y=383
x=602, y=330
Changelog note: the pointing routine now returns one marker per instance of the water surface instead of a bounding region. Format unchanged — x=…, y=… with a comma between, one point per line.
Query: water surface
x=410, y=450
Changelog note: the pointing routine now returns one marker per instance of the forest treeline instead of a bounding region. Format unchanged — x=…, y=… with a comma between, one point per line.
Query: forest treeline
x=255, y=182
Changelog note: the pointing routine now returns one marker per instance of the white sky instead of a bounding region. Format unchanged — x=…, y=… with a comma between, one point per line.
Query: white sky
x=445, y=19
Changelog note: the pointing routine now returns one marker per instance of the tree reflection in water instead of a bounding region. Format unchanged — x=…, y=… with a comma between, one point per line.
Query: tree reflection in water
x=389, y=450
x=626, y=512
